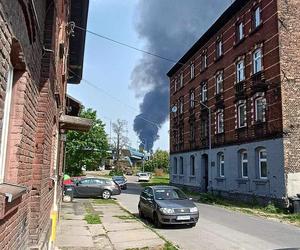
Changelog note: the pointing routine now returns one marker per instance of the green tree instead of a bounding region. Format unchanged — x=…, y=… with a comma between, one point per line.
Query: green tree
x=86, y=148
x=160, y=160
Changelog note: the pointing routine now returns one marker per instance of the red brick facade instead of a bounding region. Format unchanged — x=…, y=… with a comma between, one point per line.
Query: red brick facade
x=267, y=83
x=32, y=34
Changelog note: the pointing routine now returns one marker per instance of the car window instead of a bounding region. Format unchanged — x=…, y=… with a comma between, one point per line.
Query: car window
x=86, y=181
x=97, y=181
x=169, y=194
x=108, y=182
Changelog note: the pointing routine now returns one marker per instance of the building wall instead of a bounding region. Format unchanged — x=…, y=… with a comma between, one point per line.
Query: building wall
x=289, y=40
x=232, y=181
x=38, y=98
x=267, y=35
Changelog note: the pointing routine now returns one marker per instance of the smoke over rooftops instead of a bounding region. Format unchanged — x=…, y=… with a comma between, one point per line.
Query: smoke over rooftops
x=169, y=27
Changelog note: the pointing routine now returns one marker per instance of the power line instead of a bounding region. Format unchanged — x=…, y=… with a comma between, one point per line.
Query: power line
x=115, y=98
x=129, y=46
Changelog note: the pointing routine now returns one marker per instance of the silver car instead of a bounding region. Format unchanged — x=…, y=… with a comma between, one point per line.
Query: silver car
x=167, y=205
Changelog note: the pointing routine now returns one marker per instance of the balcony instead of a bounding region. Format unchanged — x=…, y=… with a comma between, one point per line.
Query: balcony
x=258, y=83
x=219, y=101
x=240, y=91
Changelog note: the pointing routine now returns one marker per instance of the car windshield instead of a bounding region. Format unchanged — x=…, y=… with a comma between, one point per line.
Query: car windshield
x=169, y=194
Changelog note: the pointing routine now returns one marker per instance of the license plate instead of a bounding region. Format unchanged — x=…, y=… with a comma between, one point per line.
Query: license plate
x=183, y=217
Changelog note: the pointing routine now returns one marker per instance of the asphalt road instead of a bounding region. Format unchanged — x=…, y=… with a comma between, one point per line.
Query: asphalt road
x=219, y=228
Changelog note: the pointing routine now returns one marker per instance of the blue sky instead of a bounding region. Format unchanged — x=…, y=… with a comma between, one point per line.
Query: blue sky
x=109, y=66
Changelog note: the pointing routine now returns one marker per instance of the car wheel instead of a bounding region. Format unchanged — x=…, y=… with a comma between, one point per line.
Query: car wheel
x=106, y=194
x=156, y=221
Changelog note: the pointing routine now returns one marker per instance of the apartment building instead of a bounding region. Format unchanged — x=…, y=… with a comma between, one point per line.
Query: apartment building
x=38, y=47
x=234, y=96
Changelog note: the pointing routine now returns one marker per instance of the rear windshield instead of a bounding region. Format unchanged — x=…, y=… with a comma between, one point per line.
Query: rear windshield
x=169, y=194
x=143, y=175
x=119, y=178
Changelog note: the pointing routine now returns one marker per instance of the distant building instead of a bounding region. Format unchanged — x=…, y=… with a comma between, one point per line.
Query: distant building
x=39, y=56
x=245, y=70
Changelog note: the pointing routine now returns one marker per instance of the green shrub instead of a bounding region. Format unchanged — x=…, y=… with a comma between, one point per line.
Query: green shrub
x=117, y=172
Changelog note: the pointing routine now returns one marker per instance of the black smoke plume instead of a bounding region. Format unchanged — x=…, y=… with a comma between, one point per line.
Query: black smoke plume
x=169, y=28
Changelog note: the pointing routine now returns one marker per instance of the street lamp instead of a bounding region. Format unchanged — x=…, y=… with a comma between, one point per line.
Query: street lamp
x=174, y=110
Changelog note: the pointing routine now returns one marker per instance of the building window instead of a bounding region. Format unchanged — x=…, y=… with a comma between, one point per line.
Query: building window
x=192, y=165
x=257, y=61
x=204, y=128
x=175, y=85
x=240, y=31
x=175, y=166
x=181, y=165
x=181, y=80
x=219, y=83
x=220, y=122
x=204, y=96
x=240, y=71
x=260, y=109
x=5, y=122
x=241, y=115
x=219, y=48
x=262, y=164
x=256, y=17
x=221, y=164
x=192, y=99
x=244, y=164
x=181, y=105
x=192, y=71
x=204, y=61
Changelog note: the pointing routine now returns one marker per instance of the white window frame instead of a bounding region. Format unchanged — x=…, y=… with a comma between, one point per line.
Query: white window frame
x=260, y=160
x=219, y=48
x=244, y=161
x=222, y=165
x=175, y=85
x=257, y=61
x=181, y=106
x=181, y=80
x=257, y=17
x=204, y=61
x=244, y=115
x=192, y=70
x=240, y=71
x=192, y=99
x=5, y=122
x=240, y=30
x=219, y=83
x=204, y=92
x=220, y=122
x=263, y=100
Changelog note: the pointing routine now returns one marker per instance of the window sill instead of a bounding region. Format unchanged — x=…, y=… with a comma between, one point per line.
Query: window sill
x=238, y=42
x=10, y=198
x=242, y=180
x=254, y=30
x=240, y=129
x=261, y=181
x=220, y=179
x=219, y=58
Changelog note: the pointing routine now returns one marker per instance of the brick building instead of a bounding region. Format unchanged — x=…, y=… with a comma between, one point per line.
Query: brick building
x=36, y=51
x=242, y=77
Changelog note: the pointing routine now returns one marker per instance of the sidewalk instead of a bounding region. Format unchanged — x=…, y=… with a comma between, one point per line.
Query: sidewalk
x=116, y=229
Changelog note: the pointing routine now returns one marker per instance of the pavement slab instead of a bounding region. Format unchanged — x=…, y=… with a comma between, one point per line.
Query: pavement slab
x=110, y=227
x=96, y=230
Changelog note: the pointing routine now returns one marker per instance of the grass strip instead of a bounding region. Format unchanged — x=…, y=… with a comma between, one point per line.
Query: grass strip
x=92, y=219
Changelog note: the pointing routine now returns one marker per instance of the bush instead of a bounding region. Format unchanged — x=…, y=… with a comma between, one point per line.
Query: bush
x=116, y=172
x=271, y=208
x=159, y=172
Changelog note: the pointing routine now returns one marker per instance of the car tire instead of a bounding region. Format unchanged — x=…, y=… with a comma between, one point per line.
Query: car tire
x=156, y=221
x=106, y=194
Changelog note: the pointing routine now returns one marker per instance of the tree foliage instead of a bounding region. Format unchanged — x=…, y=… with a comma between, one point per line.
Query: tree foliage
x=159, y=160
x=86, y=148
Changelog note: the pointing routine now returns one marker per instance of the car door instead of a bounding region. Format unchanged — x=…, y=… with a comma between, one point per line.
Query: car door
x=98, y=187
x=150, y=202
x=83, y=188
x=143, y=201
x=147, y=201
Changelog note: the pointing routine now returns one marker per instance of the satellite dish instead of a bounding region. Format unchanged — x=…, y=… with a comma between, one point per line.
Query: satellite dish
x=174, y=109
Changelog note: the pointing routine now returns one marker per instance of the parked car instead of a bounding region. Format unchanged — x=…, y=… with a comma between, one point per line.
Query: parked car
x=144, y=177
x=96, y=187
x=121, y=181
x=138, y=173
x=167, y=205
x=128, y=172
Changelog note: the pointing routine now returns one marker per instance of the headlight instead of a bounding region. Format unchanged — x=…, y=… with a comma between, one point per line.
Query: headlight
x=167, y=210
x=193, y=209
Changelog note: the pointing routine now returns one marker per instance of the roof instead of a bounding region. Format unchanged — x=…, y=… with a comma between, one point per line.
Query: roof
x=224, y=18
x=163, y=186
x=79, y=15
